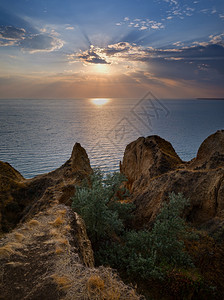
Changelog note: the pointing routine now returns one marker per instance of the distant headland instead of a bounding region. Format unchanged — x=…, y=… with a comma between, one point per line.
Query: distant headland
x=205, y=98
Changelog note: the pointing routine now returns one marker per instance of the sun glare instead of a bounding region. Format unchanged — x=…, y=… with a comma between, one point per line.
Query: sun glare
x=101, y=68
x=100, y=101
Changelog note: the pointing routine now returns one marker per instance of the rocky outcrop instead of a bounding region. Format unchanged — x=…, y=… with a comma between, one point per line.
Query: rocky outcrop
x=11, y=184
x=211, y=153
x=154, y=170
x=50, y=257
x=21, y=199
x=147, y=158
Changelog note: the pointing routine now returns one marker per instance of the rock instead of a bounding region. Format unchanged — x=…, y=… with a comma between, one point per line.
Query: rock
x=154, y=170
x=146, y=158
x=22, y=198
x=211, y=152
x=50, y=257
x=80, y=160
x=6, y=170
x=11, y=183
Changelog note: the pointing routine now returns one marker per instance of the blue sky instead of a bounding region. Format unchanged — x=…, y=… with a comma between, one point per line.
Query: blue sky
x=71, y=49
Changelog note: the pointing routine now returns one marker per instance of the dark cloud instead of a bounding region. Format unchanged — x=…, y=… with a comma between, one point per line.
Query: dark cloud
x=11, y=33
x=117, y=48
x=187, y=62
x=10, y=36
x=90, y=56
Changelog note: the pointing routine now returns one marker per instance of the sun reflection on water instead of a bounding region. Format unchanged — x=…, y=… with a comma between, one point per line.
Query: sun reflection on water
x=100, y=101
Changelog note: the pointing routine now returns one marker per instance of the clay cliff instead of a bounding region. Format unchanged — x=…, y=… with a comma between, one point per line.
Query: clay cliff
x=21, y=198
x=50, y=257
x=45, y=252
x=154, y=170
x=48, y=254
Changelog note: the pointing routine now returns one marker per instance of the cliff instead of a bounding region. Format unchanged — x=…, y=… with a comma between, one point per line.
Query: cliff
x=45, y=252
x=21, y=198
x=50, y=257
x=154, y=170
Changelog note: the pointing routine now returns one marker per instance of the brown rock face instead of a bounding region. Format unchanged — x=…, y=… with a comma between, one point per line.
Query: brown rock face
x=50, y=257
x=148, y=158
x=11, y=183
x=21, y=198
x=211, y=152
x=153, y=173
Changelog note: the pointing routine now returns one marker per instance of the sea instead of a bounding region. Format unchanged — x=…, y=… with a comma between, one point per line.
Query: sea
x=37, y=136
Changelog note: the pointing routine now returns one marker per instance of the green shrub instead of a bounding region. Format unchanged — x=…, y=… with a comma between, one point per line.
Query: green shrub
x=99, y=205
x=150, y=254
x=141, y=254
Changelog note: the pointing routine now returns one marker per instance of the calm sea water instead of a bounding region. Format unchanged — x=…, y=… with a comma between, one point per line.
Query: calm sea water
x=37, y=136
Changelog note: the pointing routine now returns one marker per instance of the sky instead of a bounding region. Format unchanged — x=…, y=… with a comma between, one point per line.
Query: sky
x=73, y=49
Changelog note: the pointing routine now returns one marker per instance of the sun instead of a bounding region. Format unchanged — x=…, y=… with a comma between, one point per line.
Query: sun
x=100, y=101
x=102, y=68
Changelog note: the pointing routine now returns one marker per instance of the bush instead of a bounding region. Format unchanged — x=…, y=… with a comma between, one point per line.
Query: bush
x=99, y=204
x=150, y=254
x=141, y=254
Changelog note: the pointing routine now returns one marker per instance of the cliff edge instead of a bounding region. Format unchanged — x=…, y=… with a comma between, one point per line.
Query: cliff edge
x=22, y=198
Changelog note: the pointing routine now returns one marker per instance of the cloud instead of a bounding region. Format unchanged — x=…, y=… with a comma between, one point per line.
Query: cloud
x=141, y=24
x=91, y=56
x=143, y=28
x=204, y=63
x=217, y=39
x=11, y=33
x=178, y=44
x=10, y=36
x=111, y=50
x=42, y=41
x=70, y=28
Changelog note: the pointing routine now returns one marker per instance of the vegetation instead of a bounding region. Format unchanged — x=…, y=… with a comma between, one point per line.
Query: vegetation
x=101, y=203
x=151, y=254
x=163, y=255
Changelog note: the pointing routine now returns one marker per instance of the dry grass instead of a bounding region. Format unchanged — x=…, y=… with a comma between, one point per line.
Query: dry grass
x=33, y=222
x=15, y=245
x=67, y=227
x=63, y=241
x=54, y=232
x=70, y=274
x=9, y=249
x=57, y=222
x=19, y=236
x=95, y=287
x=14, y=264
x=62, y=212
x=63, y=282
x=59, y=250
x=94, y=284
x=6, y=251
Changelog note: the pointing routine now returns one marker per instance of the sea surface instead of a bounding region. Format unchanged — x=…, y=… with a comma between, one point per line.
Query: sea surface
x=37, y=136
